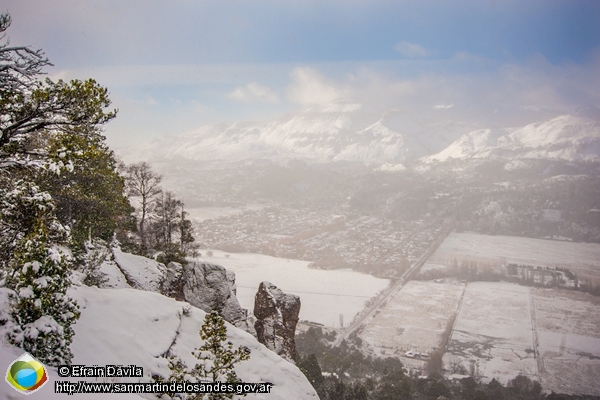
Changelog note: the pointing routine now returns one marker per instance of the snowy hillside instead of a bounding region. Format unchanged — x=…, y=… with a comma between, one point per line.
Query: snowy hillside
x=128, y=326
x=568, y=137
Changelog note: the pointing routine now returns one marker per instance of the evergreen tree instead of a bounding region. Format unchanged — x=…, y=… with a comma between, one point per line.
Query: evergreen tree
x=34, y=116
x=186, y=231
x=89, y=261
x=30, y=118
x=41, y=313
x=217, y=356
x=89, y=194
x=217, y=359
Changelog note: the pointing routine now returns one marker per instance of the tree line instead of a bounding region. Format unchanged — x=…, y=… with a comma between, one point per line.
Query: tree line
x=163, y=230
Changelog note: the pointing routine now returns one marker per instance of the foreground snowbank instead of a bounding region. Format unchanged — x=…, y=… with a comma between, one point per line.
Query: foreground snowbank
x=129, y=326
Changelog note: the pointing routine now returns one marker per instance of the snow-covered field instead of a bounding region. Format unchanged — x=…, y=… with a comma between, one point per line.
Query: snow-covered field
x=324, y=294
x=500, y=327
x=568, y=340
x=493, y=329
x=134, y=327
x=582, y=258
x=499, y=324
x=414, y=318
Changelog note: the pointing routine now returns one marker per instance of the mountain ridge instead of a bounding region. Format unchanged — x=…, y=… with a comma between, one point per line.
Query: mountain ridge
x=566, y=137
x=374, y=139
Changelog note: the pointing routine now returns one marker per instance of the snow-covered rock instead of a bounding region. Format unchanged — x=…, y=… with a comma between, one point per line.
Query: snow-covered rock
x=276, y=315
x=140, y=272
x=203, y=285
x=207, y=286
x=114, y=277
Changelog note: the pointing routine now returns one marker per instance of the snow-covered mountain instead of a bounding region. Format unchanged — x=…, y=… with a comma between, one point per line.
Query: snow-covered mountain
x=312, y=136
x=567, y=137
x=378, y=139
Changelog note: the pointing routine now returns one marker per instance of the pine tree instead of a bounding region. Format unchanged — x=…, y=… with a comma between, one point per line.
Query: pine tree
x=34, y=116
x=40, y=310
x=217, y=359
x=169, y=222
x=186, y=231
x=89, y=194
x=217, y=356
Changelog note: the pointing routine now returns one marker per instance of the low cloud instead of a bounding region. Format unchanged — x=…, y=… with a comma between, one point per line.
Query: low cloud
x=309, y=87
x=411, y=50
x=457, y=90
x=489, y=94
x=253, y=93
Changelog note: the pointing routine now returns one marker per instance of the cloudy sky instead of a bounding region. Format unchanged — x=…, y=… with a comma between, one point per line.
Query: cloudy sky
x=173, y=66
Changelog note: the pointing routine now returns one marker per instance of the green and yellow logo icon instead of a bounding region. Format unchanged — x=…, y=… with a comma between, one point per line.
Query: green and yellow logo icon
x=26, y=374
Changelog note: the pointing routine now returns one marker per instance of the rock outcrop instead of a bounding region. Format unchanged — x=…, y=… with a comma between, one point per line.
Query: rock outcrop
x=276, y=317
x=206, y=286
x=139, y=272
